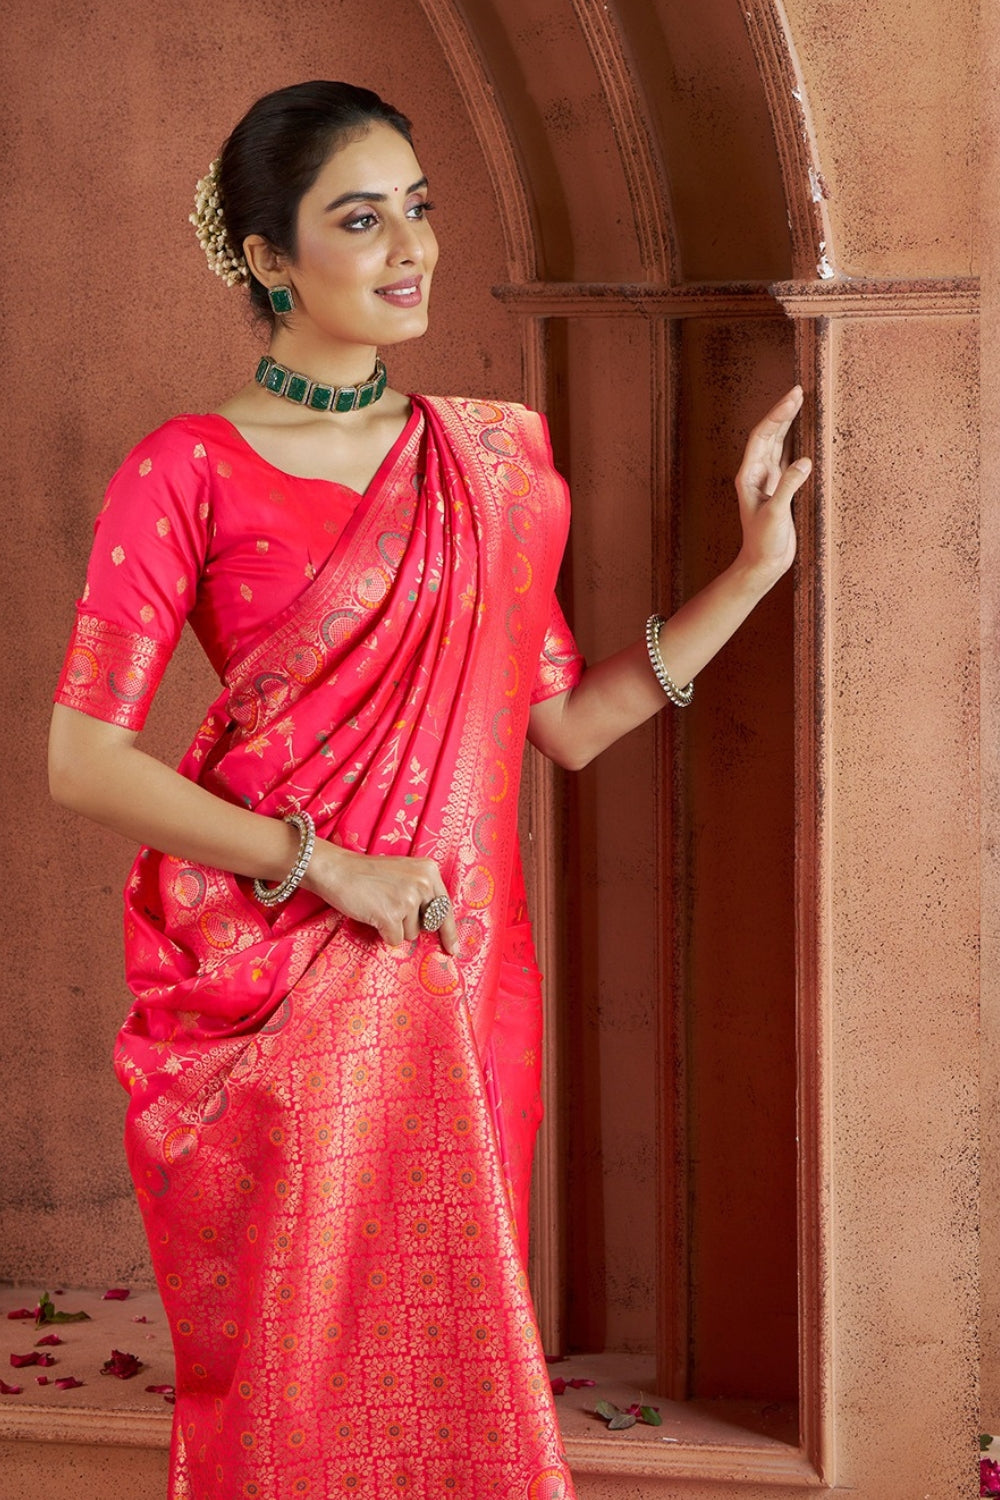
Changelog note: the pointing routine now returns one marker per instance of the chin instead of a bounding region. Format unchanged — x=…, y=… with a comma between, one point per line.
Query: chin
x=414, y=328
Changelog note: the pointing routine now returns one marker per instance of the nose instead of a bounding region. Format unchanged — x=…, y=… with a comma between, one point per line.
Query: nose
x=408, y=244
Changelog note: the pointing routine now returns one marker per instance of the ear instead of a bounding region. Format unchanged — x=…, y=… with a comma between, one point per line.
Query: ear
x=264, y=261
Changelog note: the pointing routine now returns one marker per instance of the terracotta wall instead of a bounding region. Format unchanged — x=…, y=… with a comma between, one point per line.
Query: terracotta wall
x=898, y=765
x=765, y=984
x=892, y=91
x=990, y=719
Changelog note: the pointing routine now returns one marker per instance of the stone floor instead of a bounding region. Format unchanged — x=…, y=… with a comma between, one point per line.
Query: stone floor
x=138, y=1326
x=85, y=1347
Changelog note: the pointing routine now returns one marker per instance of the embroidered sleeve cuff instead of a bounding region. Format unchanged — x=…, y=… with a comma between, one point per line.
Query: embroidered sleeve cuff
x=111, y=673
x=560, y=667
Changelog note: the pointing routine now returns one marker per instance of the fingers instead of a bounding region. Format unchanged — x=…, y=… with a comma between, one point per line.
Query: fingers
x=388, y=893
x=419, y=883
x=764, y=476
x=767, y=439
x=411, y=925
x=391, y=931
x=448, y=934
x=791, y=481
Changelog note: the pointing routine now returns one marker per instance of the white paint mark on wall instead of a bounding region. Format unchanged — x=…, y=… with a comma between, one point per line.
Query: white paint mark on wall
x=818, y=189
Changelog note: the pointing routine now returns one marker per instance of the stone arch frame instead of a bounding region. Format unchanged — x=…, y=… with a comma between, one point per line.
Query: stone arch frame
x=661, y=293
x=875, y=1282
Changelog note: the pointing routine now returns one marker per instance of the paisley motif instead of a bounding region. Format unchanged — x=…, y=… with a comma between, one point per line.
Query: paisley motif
x=336, y=627
x=189, y=887
x=128, y=684
x=217, y=928
x=82, y=667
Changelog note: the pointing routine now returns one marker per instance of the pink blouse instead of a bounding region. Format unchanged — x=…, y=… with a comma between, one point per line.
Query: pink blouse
x=197, y=526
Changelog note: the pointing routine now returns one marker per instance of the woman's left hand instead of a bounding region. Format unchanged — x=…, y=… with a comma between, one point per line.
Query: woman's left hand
x=765, y=486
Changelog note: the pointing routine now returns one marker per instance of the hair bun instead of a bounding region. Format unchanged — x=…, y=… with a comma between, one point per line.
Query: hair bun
x=210, y=226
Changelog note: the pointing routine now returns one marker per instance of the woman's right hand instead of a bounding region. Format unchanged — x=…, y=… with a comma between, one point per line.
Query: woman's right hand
x=97, y=769
x=384, y=891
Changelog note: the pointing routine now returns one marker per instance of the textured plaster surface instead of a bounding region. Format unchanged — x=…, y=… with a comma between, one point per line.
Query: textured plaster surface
x=697, y=68
x=903, y=602
x=891, y=87
x=540, y=62
x=990, y=491
x=77, y=1471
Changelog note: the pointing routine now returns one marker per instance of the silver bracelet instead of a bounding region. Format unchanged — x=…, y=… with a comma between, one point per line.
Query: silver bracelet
x=273, y=895
x=679, y=696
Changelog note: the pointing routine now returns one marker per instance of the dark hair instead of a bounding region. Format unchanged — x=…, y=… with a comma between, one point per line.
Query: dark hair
x=274, y=156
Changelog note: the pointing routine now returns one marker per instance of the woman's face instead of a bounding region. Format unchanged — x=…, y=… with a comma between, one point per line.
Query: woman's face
x=366, y=251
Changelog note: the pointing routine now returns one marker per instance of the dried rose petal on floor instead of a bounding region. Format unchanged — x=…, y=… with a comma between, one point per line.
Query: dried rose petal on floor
x=121, y=1364
x=19, y=1361
x=558, y=1385
x=160, y=1390
x=116, y=1294
x=24, y=1312
x=50, y=1338
x=9, y=1390
x=68, y=1383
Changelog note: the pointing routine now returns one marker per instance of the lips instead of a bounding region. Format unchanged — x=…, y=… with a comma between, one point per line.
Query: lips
x=402, y=293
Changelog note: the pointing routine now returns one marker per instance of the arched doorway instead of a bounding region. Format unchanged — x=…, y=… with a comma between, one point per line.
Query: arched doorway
x=764, y=889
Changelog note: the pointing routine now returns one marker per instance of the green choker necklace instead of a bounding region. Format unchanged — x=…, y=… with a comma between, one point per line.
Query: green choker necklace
x=314, y=394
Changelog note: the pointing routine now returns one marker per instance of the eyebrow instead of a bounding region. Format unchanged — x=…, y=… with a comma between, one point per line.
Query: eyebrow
x=359, y=197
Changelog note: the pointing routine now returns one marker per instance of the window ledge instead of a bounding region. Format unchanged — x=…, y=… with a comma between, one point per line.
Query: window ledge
x=103, y=1410
x=733, y=1441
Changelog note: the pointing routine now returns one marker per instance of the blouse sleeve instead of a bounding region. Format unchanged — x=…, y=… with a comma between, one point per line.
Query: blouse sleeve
x=150, y=546
x=560, y=665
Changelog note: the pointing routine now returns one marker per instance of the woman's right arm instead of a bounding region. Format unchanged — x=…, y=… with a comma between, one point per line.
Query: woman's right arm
x=97, y=769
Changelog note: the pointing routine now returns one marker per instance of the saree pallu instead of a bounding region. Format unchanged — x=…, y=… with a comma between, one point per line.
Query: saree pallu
x=326, y=1133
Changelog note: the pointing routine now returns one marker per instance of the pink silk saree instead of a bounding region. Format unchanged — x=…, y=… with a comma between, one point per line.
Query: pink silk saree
x=330, y=1138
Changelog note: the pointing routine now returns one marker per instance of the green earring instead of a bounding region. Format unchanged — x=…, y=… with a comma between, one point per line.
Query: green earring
x=281, y=299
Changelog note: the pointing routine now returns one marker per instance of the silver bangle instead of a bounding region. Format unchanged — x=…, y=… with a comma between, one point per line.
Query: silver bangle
x=679, y=696
x=273, y=895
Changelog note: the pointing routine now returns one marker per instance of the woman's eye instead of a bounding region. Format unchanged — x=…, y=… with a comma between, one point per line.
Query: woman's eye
x=369, y=219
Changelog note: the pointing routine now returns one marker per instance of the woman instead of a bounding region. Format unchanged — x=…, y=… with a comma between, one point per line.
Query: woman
x=331, y=1121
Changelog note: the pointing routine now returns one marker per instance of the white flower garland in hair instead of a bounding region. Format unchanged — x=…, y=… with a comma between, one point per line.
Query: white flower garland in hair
x=210, y=227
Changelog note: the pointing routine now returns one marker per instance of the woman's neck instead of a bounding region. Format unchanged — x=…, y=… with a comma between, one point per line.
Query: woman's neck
x=337, y=365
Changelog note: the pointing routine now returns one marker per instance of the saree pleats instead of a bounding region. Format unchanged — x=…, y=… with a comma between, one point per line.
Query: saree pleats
x=331, y=1139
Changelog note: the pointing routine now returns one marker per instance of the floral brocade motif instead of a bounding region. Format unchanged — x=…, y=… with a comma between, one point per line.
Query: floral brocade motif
x=111, y=673
x=331, y=1139
x=357, y=1320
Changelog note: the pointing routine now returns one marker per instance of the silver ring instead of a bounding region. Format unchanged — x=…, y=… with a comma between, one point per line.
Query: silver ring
x=434, y=913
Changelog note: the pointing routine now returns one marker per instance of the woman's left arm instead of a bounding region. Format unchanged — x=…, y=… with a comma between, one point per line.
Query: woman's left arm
x=618, y=694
